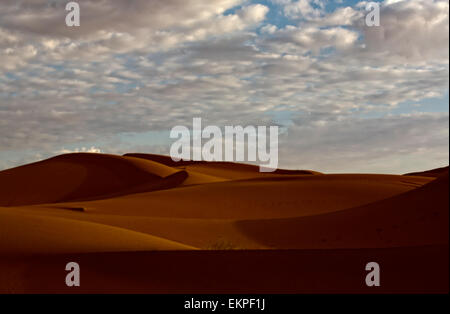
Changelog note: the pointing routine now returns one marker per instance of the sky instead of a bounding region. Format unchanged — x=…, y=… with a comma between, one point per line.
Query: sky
x=348, y=97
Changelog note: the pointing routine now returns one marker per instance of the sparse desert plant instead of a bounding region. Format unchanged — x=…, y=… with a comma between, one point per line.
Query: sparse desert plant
x=222, y=244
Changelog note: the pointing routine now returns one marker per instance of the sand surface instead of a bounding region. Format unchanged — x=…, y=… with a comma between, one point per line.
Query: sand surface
x=90, y=206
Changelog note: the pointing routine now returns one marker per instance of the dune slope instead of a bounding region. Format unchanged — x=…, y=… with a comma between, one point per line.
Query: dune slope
x=433, y=173
x=27, y=234
x=83, y=176
x=224, y=170
x=417, y=217
x=262, y=198
x=207, y=216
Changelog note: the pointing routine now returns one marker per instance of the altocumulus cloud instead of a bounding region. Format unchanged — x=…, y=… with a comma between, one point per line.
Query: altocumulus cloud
x=352, y=98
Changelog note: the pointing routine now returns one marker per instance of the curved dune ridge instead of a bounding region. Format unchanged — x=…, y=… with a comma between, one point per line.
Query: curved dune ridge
x=212, y=215
x=262, y=198
x=88, y=176
x=35, y=234
x=415, y=218
x=433, y=173
x=83, y=176
x=219, y=169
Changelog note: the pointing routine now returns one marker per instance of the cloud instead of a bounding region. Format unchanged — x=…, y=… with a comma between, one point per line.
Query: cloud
x=410, y=31
x=115, y=26
x=390, y=144
x=91, y=149
x=139, y=66
x=303, y=8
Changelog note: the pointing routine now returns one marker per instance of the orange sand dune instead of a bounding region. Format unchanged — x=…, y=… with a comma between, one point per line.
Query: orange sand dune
x=195, y=178
x=224, y=170
x=185, y=215
x=27, y=233
x=417, y=217
x=434, y=173
x=275, y=197
x=116, y=211
x=199, y=233
x=83, y=176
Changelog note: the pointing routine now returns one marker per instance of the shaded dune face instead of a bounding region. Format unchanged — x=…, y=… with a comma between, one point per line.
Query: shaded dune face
x=83, y=176
x=261, y=198
x=414, y=218
x=35, y=234
x=88, y=176
x=207, y=216
x=434, y=173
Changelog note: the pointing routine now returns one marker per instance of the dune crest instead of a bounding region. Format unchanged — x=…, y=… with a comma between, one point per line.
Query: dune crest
x=220, y=169
x=83, y=176
x=433, y=173
x=36, y=234
x=414, y=218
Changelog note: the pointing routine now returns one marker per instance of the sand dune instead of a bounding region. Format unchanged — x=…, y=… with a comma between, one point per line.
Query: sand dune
x=223, y=170
x=87, y=176
x=275, y=197
x=185, y=215
x=434, y=173
x=92, y=206
x=200, y=233
x=30, y=234
x=417, y=217
x=83, y=176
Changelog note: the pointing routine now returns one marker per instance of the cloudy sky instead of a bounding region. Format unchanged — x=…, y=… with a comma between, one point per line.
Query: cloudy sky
x=348, y=98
